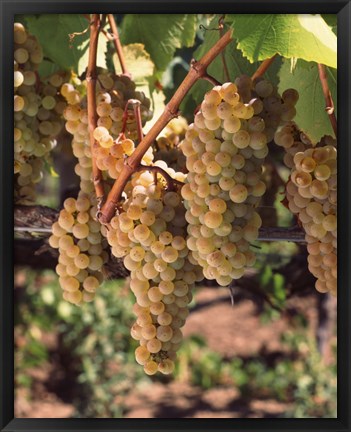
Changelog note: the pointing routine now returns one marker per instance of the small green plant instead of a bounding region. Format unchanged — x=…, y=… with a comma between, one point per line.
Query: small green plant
x=298, y=378
x=304, y=382
x=199, y=365
x=94, y=340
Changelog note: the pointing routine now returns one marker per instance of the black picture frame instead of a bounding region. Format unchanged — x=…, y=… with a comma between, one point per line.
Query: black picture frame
x=9, y=8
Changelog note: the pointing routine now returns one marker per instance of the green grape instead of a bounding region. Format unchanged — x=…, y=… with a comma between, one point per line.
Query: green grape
x=312, y=202
x=151, y=367
x=225, y=152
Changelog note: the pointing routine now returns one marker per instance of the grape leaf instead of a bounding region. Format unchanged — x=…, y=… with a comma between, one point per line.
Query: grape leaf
x=158, y=106
x=291, y=35
x=53, y=31
x=236, y=63
x=47, y=68
x=189, y=32
x=311, y=116
x=161, y=34
x=175, y=73
x=332, y=21
x=138, y=63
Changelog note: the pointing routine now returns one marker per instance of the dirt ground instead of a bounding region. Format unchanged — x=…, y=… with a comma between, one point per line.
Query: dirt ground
x=229, y=330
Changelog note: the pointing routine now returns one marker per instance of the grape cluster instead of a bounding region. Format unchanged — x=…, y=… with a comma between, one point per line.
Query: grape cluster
x=271, y=107
x=149, y=234
x=167, y=144
x=225, y=149
x=112, y=95
x=37, y=114
x=110, y=154
x=82, y=249
x=77, y=234
x=312, y=195
x=292, y=140
x=76, y=123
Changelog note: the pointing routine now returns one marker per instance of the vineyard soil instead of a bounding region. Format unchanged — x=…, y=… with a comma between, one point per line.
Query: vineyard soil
x=222, y=327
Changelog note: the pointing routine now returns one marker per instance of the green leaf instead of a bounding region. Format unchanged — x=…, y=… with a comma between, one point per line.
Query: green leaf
x=332, y=21
x=266, y=276
x=307, y=37
x=47, y=68
x=175, y=73
x=38, y=351
x=53, y=173
x=279, y=287
x=237, y=65
x=189, y=32
x=138, y=63
x=50, y=169
x=158, y=105
x=53, y=32
x=161, y=34
x=311, y=116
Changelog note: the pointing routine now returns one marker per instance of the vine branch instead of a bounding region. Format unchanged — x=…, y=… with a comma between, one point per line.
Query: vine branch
x=329, y=104
x=35, y=252
x=197, y=71
x=91, y=100
x=261, y=70
x=117, y=43
x=39, y=219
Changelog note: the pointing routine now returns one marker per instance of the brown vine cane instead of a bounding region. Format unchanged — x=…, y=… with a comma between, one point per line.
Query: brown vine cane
x=198, y=70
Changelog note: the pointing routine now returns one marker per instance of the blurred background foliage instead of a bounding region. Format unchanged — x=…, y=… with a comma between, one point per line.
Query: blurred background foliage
x=92, y=354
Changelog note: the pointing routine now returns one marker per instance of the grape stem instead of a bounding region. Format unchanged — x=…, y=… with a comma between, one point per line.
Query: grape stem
x=196, y=71
x=134, y=103
x=211, y=79
x=117, y=43
x=137, y=115
x=261, y=70
x=73, y=35
x=329, y=104
x=171, y=182
x=91, y=104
